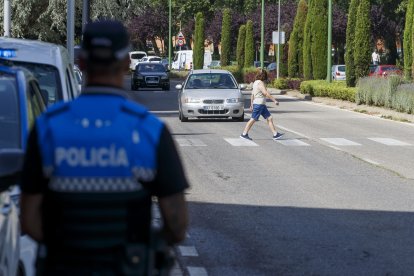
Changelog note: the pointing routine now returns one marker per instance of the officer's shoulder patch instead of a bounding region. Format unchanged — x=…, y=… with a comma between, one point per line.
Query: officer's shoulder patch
x=57, y=108
x=134, y=108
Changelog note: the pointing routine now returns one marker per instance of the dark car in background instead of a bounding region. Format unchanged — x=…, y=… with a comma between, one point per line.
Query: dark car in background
x=150, y=75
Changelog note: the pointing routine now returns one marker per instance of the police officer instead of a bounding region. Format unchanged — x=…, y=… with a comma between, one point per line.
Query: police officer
x=93, y=167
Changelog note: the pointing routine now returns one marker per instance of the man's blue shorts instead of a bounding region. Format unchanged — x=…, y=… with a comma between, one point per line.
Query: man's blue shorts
x=260, y=109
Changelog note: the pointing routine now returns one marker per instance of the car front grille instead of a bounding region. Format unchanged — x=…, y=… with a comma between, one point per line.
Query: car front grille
x=213, y=112
x=152, y=80
x=213, y=101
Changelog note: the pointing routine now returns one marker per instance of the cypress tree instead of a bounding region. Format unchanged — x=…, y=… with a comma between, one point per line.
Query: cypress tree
x=307, y=38
x=408, y=40
x=226, y=38
x=350, y=45
x=362, y=42
x=241, y=40
x=249, y=45
x=198, y=51
x=295, y=56
x=319, y=37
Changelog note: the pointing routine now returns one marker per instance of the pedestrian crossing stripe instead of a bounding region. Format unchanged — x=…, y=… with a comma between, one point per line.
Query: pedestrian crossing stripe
x=389, y=142
x=340, y=142
x=293, y=142
x=182, y=142
x=240, y=142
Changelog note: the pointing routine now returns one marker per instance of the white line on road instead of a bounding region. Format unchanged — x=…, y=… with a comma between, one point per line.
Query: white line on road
x=340, y=142
x=188, y=251
x=240, y=142
x=183, y=142
x=295, y=132
x=370, y=161
x=389, y=142
x=293, y=142
x=197, y=271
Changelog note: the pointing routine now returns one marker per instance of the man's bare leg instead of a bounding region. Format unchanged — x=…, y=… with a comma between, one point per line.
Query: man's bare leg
x=249, y=125
x=271, y=125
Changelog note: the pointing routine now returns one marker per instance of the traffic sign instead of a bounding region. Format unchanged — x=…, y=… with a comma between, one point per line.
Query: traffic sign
x=275, y=37
x=180, y=36
x=180, y=42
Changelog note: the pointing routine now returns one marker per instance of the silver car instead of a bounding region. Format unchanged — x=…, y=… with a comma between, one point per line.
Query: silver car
x=338, y=72
x=210, y=94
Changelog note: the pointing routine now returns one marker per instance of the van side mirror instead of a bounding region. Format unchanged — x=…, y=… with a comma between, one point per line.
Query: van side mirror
x=243, y=86
x=11, y=162
x=179, y=86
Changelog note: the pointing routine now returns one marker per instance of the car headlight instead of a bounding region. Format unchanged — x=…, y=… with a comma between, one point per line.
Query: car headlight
x=192, y=100
x=139, y=77
x=234, y=100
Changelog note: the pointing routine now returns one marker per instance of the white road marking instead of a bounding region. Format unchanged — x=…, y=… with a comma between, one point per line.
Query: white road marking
x=197, y=271
x=188, y=251
x=165, y=111
x=389, y=142
x=293, y=142
x=295, y=132
x=240, y=142
x=336, y=148
x=371, y=161
x=340, y=142
x=183, y=142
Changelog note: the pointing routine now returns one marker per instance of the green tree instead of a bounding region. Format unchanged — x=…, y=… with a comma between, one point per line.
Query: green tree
x=319, y=34
x=350, y=44
x=226, y=38
x=249, y=45
x=295, y=56
x=198, y=51
x=241, y=40
x=408, y=40
x=307, y=39
x=362, y=44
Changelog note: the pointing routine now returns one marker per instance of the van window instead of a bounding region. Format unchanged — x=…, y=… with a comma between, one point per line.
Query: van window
x=137, y=56
x=176, y=57
x=9, y=113
x=34, y=102
x=47, y=75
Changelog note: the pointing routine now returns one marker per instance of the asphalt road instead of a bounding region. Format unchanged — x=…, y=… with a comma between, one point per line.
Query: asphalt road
x=335, y=196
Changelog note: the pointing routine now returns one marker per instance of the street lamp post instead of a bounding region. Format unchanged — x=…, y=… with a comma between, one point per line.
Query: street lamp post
x=329, y=56
x=169, y=35
x=70, y=30
x=85, y=13
x=262, y=38
x=7, y=18
x=278, y=45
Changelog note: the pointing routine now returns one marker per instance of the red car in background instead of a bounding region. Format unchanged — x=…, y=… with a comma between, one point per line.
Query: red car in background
x=385, y=71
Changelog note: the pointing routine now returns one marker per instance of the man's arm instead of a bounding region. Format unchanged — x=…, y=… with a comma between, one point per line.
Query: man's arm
x=31, y=216
x=267, y=94
x=174, y=211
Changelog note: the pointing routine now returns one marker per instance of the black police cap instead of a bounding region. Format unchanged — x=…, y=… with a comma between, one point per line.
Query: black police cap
x=105, y=41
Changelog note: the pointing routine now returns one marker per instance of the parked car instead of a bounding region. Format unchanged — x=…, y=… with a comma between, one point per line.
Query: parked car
x=150, y=75
x=49, y=63
x=151, y=59
x=386, y=70
x=338, y=72
x=135, y=57
x=271, y=67
x=372, y=68
x=257, y=64
x=210, y=93
x=214, y=64
x=21, y=101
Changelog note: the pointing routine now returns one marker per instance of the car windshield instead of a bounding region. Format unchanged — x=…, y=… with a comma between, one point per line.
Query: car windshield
x=47, y=76
x=9, y=113
x=389, y=68
x=341, y=68
x=137, y=56
x=210, y=80
x=151, y=68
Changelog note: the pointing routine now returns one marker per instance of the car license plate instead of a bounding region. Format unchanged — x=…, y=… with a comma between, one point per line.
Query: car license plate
x=214, y=107
x=152, y=80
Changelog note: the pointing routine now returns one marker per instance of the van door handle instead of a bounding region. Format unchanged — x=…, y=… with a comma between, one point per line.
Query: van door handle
x=6, y=209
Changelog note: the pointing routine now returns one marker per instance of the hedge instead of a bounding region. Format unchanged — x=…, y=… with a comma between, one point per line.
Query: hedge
x=287, y=83
x=321, y=88
x=389, y=92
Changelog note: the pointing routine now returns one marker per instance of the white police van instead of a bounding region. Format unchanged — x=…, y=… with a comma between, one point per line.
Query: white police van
x=48, y=62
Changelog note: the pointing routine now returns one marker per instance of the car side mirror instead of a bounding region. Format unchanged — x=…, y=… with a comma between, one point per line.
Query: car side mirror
x=243, y=86
x=179, y=86
x=11, y=162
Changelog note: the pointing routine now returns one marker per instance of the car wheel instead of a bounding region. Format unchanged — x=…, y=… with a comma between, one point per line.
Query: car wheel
x=239, y=119
x=183, y=118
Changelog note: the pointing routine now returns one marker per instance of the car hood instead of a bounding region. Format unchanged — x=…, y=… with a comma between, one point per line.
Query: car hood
x=213, y=93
